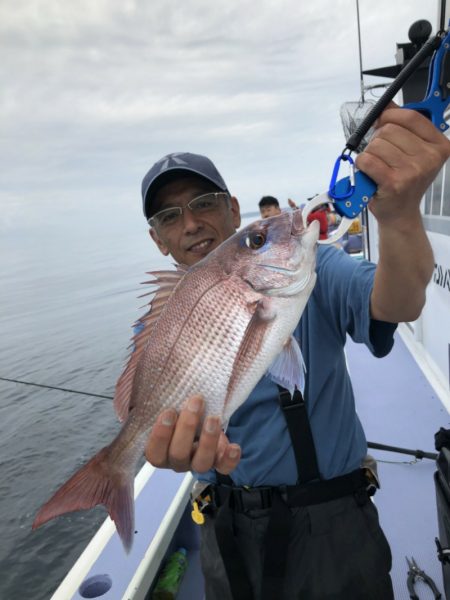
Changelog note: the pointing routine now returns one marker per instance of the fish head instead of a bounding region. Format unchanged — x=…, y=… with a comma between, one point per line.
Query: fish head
x=275, y=256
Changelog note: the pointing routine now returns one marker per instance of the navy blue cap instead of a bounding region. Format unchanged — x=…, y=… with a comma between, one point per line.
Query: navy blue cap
x=177, y=162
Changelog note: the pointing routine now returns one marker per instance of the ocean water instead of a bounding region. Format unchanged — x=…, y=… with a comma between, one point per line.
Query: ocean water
x=70, y=275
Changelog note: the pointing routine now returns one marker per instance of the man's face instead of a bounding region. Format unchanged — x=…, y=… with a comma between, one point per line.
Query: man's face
x=194, y=235
x=270, y=210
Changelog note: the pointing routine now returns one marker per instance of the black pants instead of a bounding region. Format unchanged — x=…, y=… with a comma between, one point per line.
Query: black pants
x=337, y=551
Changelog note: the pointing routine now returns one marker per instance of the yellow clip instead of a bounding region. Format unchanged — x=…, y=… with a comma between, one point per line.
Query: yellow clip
x=196, y=515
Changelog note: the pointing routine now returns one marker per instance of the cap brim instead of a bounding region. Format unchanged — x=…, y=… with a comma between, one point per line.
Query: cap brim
x=168, y=176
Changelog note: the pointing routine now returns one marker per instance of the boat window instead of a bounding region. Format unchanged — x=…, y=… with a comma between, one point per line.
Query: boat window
x=446, y=195
x=428, y=195
x=436, y=204
x=437, y=194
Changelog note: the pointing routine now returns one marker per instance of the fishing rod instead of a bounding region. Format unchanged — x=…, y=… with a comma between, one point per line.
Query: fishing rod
x=416, y=453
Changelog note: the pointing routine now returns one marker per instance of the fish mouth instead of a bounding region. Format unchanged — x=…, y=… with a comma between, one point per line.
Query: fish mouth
x=278, y=269
x=297, y=285
x=298, y=226
x=293, y=288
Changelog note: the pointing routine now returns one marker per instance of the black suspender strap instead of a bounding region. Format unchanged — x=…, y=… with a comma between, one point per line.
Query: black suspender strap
x=295, y=413
x=238, y=580
x=276, y=547
x=237, y=575
x=276, y=543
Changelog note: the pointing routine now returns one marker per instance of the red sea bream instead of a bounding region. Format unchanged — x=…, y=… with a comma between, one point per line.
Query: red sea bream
x=214, y=329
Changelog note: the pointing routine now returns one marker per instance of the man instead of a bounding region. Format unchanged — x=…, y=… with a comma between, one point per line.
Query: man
x=269, y=207
x=274, y=530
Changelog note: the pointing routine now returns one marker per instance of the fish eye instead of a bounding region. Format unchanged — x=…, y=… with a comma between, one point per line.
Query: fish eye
x=255, y=240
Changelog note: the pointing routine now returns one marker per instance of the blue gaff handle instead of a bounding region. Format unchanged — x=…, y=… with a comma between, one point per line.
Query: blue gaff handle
x=433, y=108
x=350, y=197
x=437, y=96
x=353, y=205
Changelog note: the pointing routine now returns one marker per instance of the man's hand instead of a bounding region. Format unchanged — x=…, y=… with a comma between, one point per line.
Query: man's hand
x=403, y=158
x=172, y=443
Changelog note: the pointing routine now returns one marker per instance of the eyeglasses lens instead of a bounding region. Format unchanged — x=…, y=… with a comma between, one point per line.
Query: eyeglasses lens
x=169, y=217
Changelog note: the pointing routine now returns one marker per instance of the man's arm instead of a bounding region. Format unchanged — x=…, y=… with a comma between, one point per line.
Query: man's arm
x=403, y=158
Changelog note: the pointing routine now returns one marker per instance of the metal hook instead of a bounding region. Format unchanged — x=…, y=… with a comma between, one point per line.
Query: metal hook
x=346, y=194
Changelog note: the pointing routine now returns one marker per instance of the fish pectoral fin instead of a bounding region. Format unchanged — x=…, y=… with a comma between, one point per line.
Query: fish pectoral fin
x=288, y=368
x=265, y=309
x=250, y=346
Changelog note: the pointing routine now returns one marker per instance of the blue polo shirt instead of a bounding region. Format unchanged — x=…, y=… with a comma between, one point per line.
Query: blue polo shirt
x=338, y=305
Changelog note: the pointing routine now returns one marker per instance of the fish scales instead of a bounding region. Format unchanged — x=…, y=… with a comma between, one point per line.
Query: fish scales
x=200, y=352
x=213, y=329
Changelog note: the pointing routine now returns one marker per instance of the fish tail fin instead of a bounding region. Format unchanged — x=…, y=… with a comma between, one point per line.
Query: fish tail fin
x=99, y=481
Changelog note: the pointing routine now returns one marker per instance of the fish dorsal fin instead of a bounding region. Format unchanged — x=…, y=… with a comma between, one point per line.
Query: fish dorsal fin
x=166, y=282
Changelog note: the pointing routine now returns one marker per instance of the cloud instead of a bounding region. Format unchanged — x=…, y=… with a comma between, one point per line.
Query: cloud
x=96, y=91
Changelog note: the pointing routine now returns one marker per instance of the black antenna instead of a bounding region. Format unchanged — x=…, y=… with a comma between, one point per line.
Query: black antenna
x=427, y=50
x=361, y=78
x=442, y=22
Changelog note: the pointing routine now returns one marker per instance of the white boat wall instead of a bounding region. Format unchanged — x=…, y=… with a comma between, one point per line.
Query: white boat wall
x=163, y=524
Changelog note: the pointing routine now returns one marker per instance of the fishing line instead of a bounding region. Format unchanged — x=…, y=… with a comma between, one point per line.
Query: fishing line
x=418, y=454
x=54, y=387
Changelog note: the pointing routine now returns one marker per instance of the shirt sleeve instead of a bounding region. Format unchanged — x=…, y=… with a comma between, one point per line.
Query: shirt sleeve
x=344, y=287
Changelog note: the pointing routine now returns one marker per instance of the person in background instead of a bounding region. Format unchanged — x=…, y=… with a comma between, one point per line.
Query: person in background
x=287, y=504
x=269, y=207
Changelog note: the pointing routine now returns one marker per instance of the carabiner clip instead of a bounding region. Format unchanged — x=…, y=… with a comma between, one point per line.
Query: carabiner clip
x=351, y=187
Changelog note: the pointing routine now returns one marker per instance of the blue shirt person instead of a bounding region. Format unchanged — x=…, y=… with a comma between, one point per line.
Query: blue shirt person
x=357, y=298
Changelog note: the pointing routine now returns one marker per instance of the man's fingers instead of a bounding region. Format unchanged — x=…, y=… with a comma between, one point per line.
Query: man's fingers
x=205, y=453
x=181, y=446
x=158, y=443
x=227, y=457
x=401, y=139
x=173, y=444
x=411, y=120
x=229, y=460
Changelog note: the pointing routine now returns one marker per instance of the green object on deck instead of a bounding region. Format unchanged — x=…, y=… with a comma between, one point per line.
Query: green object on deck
x=171, y=576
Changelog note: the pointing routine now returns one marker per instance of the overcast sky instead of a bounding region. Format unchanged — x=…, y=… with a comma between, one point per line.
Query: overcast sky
x=93, y=92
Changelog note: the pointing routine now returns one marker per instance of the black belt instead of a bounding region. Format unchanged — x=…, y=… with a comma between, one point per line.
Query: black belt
x=243, y=499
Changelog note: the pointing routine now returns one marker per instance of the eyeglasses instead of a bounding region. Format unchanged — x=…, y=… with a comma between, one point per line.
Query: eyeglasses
x=202, y=205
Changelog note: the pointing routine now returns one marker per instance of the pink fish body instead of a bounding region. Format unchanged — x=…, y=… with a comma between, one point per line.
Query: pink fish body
x=214, y=329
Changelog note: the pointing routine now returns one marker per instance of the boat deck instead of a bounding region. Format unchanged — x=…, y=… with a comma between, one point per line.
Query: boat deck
x=398, y=407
